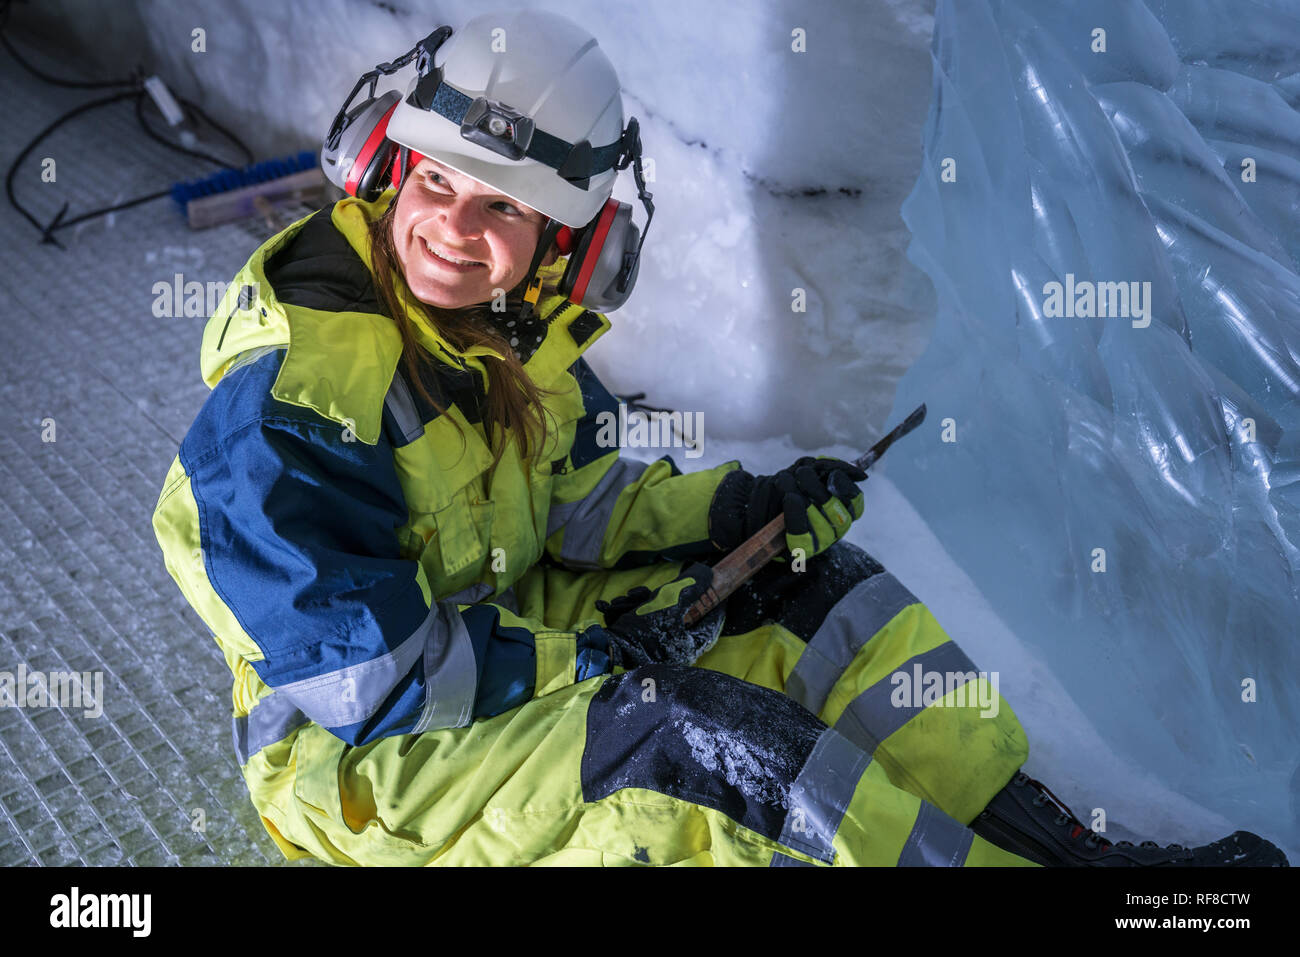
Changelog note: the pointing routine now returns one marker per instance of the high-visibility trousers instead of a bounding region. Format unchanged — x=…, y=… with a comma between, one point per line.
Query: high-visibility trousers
x=833, y=723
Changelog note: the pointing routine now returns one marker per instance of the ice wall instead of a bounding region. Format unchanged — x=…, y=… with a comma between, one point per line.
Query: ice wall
x=1166, y=448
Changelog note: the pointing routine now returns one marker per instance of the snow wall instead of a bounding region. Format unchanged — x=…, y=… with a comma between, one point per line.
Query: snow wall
x=1122, y=479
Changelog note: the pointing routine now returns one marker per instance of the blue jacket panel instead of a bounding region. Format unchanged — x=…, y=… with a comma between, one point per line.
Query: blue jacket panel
x=299, y=540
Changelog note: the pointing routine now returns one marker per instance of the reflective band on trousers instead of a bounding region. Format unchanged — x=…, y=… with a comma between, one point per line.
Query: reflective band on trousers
x=270, y=721
x=871, y=717
x=936, y=840
x=585, y=521
x=821, y=793
x=868, y=607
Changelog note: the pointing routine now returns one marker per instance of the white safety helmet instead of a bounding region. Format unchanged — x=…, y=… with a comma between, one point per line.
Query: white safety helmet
x=548, y=78
x=524, y=102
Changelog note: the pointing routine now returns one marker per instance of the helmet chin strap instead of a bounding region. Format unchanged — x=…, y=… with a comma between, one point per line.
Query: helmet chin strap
x=533, y=291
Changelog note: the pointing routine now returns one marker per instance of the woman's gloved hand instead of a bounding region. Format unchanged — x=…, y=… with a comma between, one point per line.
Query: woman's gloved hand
x=648, y=626
x=819, y=497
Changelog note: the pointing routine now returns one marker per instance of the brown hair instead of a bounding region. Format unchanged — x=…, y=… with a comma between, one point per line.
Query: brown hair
x=513, y=406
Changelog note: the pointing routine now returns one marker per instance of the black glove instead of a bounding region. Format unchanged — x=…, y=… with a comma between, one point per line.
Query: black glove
x=647, y=626
x=819, y=497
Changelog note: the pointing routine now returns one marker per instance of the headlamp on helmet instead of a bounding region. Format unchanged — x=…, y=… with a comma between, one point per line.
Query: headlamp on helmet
x=495, y=126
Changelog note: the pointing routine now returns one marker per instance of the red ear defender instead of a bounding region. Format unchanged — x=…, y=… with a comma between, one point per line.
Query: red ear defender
x=590, y=248
x=398, y=173
x=372, y=159
x=564, y=240
x=603, y=253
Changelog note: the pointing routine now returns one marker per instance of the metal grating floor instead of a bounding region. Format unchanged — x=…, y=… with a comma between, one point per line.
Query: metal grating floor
x=153, y=780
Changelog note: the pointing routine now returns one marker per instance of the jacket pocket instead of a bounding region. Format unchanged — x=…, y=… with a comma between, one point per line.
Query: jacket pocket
x=463, y=530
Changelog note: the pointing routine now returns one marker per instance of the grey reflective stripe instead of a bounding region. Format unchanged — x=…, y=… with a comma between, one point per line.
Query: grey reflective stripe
x=851, y=623
x=398, y=401
x=783, y=860
x=585, y=521
x=559, y=515
x=468, y=596
x=480, y=590
x=450, y=681
x=450, y=673
x=250, y=356
x=936, y=840
x=270, y=721
x=821, y=793
x=348, y=695
x=871, y=717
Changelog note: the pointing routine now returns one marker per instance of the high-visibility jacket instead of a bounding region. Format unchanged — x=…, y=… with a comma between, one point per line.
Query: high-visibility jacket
x=345, y=544
x=416, y=676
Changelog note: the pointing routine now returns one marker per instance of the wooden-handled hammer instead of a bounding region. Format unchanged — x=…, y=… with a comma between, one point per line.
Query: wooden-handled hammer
x=742, y=564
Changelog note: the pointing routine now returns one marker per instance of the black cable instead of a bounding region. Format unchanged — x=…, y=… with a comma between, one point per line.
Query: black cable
x=633, y=402
x=13, y=168
x=158, y=138
x=134, y=82
x=240, y=145
x=139, y=200
x=139, y=93
x=40, y=74
x=60, y=223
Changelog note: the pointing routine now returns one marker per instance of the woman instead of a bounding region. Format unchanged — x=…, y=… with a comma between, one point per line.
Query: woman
x=454, y=617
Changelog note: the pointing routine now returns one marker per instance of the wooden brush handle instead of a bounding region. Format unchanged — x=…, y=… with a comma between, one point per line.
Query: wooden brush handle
x=739, y=566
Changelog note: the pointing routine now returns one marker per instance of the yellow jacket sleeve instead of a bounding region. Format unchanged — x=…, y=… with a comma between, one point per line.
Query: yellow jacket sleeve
x=611, y=511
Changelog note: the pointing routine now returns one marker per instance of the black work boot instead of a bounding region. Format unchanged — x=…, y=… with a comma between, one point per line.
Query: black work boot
x=1027, y=819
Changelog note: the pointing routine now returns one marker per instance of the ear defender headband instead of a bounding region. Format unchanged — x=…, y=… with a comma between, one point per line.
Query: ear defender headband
x=604, y=255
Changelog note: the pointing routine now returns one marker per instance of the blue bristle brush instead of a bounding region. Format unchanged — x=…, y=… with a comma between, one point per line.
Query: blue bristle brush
x=230, y=194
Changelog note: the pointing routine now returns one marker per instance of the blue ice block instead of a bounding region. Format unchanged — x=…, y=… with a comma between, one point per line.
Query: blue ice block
x=1123, y=476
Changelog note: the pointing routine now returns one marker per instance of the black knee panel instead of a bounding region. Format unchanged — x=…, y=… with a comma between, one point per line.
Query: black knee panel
x=701, y=736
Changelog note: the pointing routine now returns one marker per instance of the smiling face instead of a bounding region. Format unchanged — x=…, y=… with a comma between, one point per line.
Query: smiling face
x=443, y=213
